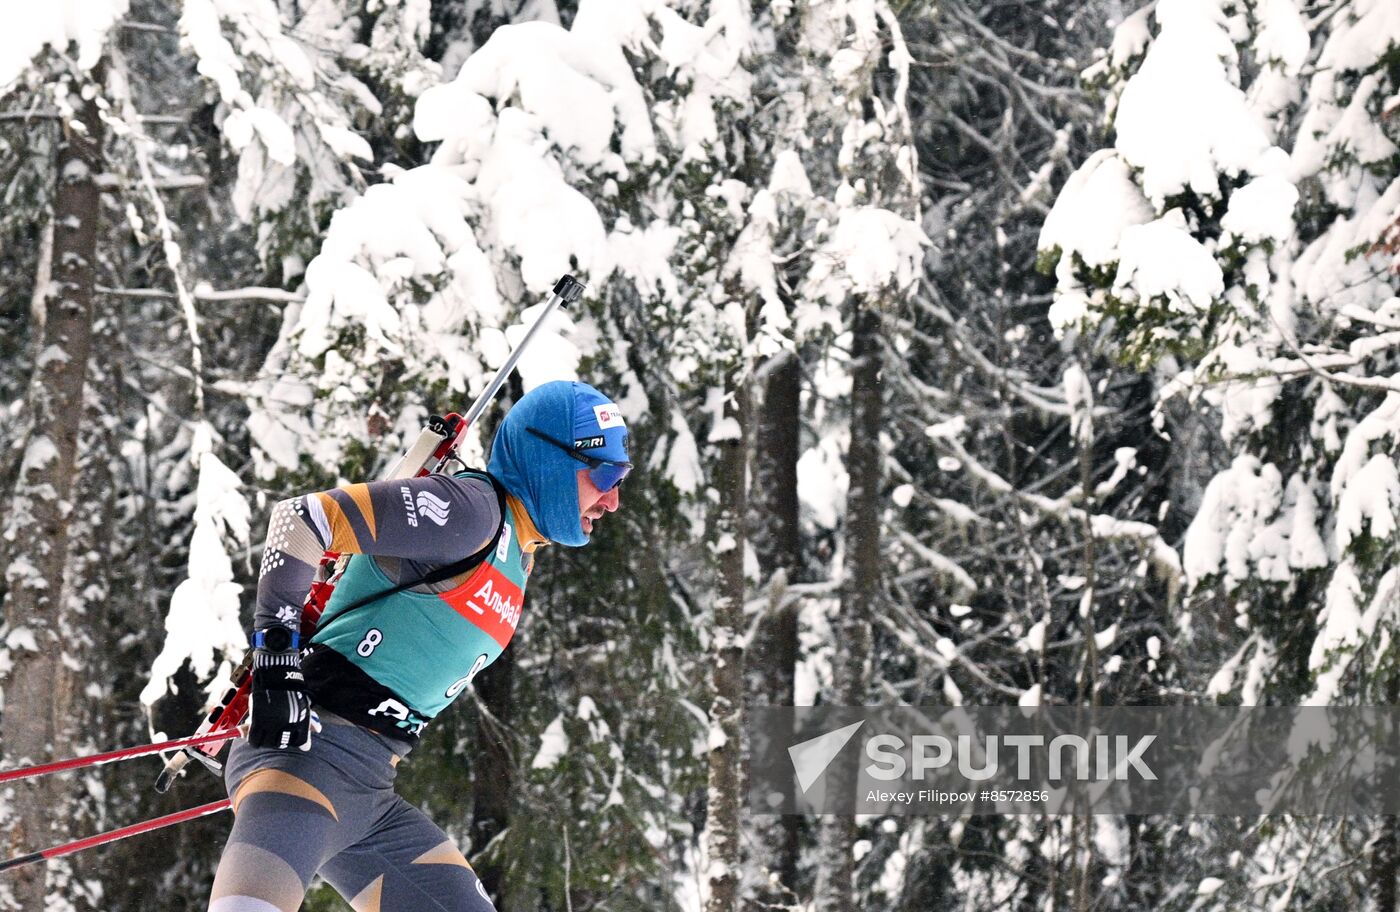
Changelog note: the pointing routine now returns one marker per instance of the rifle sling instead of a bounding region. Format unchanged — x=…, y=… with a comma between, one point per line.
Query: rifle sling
x=447, y=571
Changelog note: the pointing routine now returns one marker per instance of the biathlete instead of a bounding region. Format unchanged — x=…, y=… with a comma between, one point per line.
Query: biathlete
x=380, y=666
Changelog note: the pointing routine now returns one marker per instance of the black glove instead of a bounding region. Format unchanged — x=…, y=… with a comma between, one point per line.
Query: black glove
x=279, y=705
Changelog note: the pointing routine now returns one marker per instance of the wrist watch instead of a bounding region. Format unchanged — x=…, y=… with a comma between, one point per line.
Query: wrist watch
x=276, y=639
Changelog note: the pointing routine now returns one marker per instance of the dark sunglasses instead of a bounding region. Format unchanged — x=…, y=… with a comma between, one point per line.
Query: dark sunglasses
x=604, y=473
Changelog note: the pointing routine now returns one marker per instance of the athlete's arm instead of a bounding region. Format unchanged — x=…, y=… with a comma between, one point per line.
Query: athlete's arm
x=436, y=519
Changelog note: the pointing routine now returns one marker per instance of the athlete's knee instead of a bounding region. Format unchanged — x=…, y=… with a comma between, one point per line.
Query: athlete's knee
x=461, y=891
x=408, y=878
x=254, y=879
x=444, y=871
x=243, y=904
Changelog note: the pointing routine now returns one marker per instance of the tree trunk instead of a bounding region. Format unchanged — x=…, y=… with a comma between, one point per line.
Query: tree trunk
x=859, y=591
x=94, y=726
x=40, y=688
x=1147, y=869
x=1385, y=863
x=777, y=538
x=722, y=835
x=492, y=774
x=772, y=659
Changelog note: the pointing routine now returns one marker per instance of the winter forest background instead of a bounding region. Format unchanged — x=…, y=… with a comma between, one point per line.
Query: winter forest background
x=974, y=352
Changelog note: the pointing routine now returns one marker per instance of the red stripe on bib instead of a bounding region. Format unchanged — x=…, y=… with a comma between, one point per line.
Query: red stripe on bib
x=490, y=601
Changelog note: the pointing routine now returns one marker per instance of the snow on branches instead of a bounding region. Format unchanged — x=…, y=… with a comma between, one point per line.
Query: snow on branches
x=1144, y=233
x=290, y=100
x=1236, y=233
x=203, y=626
x=55, y=25
x=560, y=152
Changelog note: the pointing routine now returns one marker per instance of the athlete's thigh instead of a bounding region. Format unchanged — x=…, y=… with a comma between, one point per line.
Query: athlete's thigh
x=406, y=864
x=288, y=821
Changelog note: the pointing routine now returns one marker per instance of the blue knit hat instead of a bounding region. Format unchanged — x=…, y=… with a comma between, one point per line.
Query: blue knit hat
x=541, y=474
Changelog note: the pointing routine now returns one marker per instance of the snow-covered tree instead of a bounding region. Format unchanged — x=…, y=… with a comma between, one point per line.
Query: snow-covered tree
x=1029, y=561
x=45, y=633
x=1242, y=248
x=140, y=287
x=1233, y=240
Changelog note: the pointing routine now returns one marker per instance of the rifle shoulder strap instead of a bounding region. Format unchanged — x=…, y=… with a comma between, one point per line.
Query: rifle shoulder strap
x=447, y=571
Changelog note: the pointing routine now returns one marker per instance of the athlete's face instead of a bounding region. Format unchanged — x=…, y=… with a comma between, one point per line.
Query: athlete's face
x=593, y=503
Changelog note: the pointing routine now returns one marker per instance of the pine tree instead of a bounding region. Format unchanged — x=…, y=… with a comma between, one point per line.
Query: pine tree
x=1234, y=250
x=42, y=615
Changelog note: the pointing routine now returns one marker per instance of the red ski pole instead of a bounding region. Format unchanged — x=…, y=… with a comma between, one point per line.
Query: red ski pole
x=135, y=829
x=59, y=766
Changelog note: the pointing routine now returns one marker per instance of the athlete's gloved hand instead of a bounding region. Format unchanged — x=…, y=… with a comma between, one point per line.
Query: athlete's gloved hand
x=279, y=706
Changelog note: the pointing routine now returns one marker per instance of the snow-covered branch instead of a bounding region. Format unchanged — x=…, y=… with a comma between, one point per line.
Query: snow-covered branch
x=203, y=293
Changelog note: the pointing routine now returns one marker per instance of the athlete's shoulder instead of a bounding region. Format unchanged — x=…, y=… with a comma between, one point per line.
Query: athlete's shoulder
x=476, y=483
x=474, y=491
x=472, y=478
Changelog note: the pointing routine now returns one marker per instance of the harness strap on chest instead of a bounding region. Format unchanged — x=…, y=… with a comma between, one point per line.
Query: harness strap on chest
x=445, y=572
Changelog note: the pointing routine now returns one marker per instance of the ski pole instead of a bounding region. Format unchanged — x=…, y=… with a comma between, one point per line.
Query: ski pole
x=58, y=766
x=135, y=829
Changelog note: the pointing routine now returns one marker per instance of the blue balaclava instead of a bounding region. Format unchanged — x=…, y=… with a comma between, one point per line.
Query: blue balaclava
x=543, y=476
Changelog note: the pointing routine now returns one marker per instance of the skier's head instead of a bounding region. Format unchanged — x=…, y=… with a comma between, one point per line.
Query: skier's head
x=563, y=451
